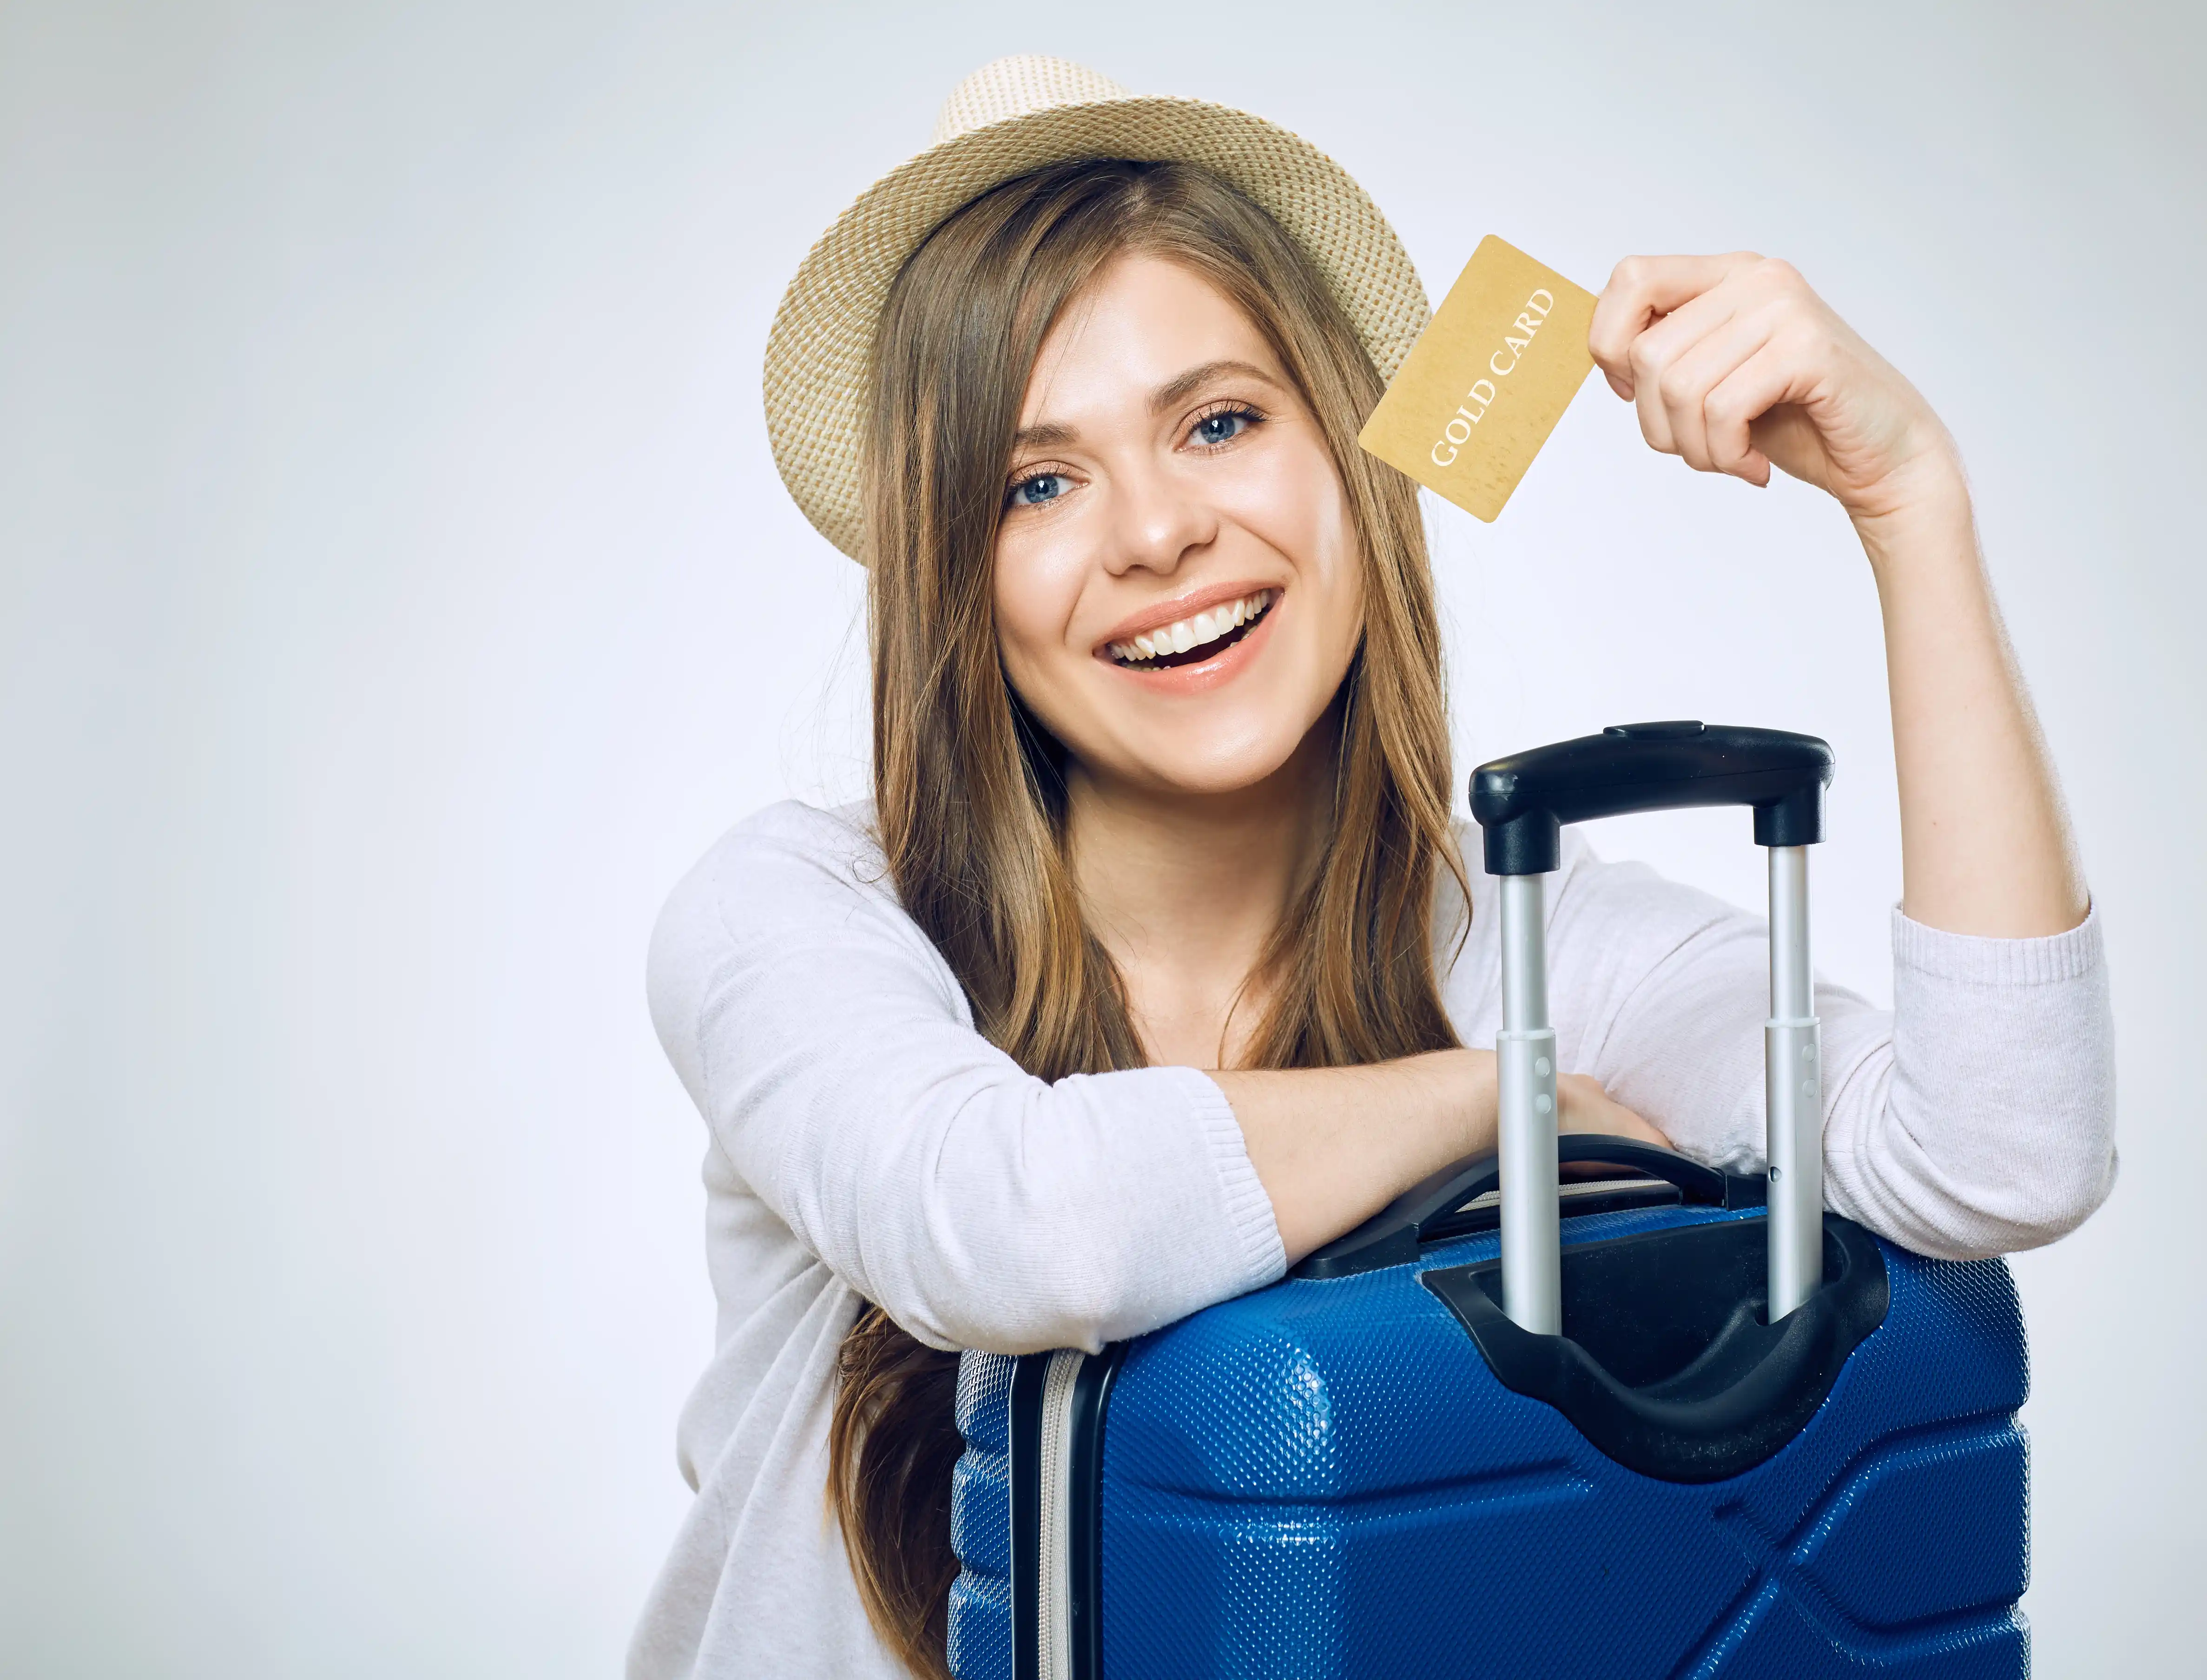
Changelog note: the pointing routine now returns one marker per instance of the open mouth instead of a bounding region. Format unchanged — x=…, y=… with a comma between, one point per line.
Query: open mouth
x=1192, y=640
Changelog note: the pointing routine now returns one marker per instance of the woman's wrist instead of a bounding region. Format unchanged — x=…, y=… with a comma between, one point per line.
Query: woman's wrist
x=1482, y=1102
x=1922, y=530
x=1459, y=1098
x=1452, y=1116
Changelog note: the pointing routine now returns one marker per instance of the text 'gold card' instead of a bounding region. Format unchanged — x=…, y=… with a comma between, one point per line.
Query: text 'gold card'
x=1482, y=388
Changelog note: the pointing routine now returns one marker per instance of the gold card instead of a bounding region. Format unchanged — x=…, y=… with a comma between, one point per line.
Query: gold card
x=1488, y=379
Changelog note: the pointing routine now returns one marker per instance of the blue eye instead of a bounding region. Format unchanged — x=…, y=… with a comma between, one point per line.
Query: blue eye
x=1217, y=429
x=1034, y=492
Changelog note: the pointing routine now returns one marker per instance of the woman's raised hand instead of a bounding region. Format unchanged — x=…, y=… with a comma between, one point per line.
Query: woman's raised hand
x=1735, y=365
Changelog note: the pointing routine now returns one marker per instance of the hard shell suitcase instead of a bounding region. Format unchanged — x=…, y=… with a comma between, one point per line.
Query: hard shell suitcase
x=1536, y=1419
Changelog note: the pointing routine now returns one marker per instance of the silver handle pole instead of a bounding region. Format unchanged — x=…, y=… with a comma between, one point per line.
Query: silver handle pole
x=1525, y=1059
x=1793, y=1087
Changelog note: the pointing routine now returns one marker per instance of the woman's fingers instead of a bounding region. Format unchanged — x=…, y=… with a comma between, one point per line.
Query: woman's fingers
x=1663, y=347
x=1581, y=1105
x=1714, y=440
x=1768, y=378
x=1643, y=290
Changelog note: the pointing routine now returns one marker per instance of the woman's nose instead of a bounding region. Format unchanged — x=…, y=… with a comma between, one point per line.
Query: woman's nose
x=1156, y=522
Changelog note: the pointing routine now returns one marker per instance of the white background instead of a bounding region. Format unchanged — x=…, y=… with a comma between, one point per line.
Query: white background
x=395, y=595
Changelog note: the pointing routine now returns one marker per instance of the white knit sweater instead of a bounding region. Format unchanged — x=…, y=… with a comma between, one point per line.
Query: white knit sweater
x=864, y=1140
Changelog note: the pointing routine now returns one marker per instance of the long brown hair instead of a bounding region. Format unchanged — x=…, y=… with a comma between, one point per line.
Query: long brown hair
x=968, y=790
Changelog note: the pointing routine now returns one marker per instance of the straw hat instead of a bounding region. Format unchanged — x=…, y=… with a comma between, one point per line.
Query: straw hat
x=1008, y=118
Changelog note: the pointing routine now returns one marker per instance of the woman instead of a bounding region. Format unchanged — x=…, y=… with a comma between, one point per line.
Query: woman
x=1153, y=963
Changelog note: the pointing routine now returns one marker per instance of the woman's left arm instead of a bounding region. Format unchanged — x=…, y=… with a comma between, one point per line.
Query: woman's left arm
x=1736, y=366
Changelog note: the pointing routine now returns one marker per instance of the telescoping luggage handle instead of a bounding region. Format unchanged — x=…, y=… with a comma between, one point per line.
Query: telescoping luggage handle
x=1522, y=803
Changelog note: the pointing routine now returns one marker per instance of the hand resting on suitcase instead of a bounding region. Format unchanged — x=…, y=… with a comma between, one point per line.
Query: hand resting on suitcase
x=1333, y=1145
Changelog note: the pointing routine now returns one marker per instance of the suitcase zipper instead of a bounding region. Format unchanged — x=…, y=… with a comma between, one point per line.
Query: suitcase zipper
x=1054, y=1562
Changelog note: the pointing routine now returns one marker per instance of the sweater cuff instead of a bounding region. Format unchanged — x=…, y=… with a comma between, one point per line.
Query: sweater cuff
x=1241, y=1193
x=1976, y=960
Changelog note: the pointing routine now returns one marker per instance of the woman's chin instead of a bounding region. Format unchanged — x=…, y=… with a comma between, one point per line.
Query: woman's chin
x=1171, y=770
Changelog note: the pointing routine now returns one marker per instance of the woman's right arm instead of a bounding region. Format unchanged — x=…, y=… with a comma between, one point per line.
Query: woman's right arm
x=826, y=1042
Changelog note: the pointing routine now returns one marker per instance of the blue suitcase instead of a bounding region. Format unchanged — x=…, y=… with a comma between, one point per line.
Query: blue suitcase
x=1536, y=1419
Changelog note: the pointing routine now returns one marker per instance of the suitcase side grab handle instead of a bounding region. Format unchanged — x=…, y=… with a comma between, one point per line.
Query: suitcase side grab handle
x=1433, y=1211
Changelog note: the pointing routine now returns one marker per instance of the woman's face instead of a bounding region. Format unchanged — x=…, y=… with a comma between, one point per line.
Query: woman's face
x=1179, y=590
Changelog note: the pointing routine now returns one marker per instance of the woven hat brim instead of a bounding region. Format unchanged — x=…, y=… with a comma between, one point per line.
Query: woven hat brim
x=818, y=353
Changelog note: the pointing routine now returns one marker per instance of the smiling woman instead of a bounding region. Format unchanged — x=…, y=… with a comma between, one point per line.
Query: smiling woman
x=1149, y=965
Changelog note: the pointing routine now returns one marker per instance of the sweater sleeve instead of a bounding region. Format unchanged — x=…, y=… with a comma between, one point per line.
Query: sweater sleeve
x=1976, y=1117
x=832, y=1053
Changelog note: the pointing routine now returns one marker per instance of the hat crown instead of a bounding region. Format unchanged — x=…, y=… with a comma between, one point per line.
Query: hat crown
x=1019, y=86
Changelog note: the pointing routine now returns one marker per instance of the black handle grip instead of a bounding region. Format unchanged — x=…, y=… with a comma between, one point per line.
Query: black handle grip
x=1522, y=801
x=1422, y=1212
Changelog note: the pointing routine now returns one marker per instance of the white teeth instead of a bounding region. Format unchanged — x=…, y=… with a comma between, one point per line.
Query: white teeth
x=1194, y=630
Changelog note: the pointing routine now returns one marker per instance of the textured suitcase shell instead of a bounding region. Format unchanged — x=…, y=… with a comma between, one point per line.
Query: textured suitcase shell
x=1325, y=1479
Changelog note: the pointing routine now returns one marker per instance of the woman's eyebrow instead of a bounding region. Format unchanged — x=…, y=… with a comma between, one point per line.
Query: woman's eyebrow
x=1180, y=389
x=1048, y=435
